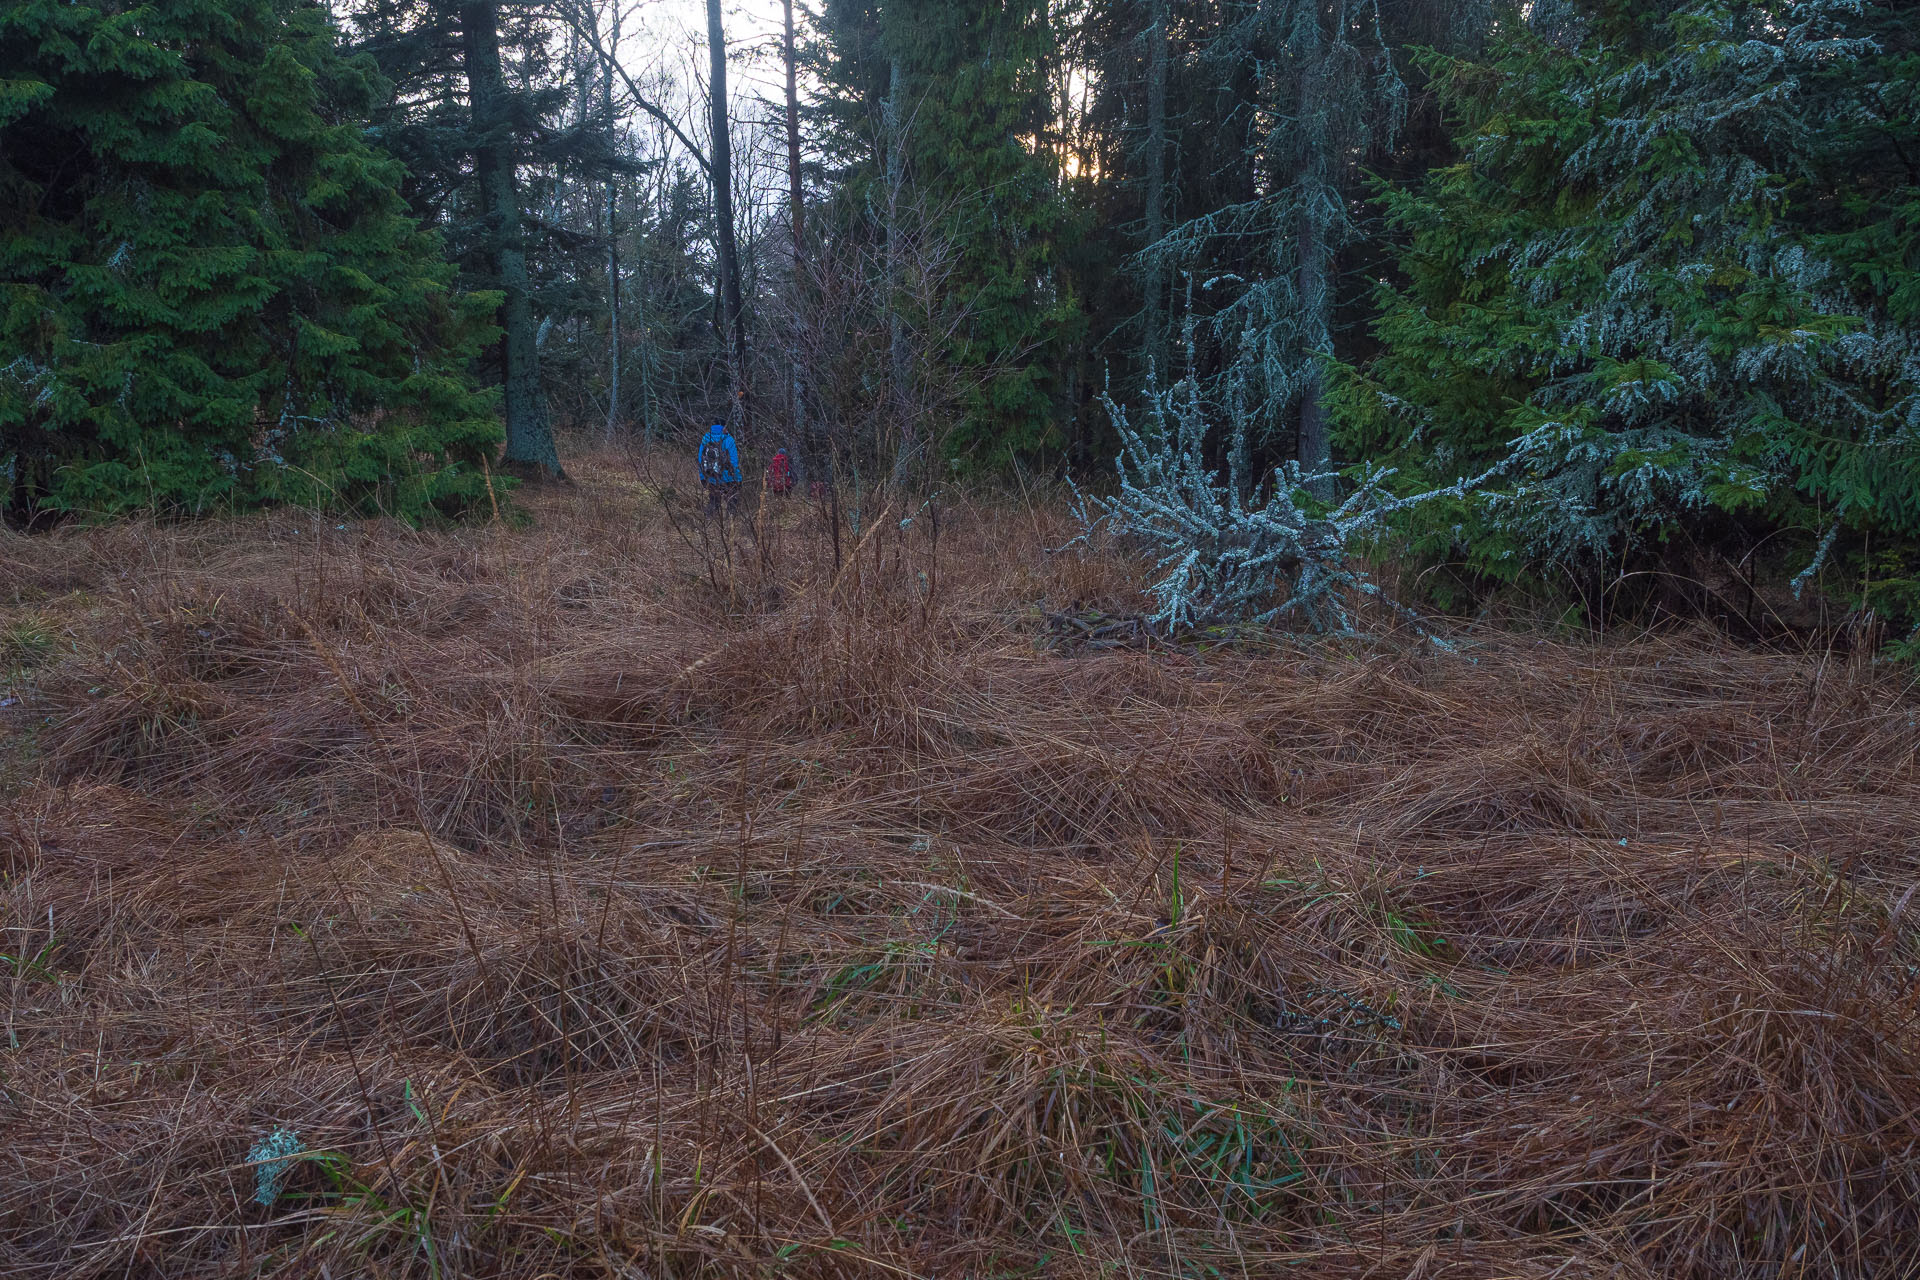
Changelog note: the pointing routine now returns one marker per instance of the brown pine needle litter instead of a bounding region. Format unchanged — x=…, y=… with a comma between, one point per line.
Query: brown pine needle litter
x=623, y=897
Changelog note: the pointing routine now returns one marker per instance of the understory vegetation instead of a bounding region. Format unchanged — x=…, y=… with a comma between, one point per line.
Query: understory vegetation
x=844, y=895
x=1626, y=291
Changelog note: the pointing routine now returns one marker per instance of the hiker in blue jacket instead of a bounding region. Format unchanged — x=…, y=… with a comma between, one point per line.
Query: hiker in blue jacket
x=719, y=468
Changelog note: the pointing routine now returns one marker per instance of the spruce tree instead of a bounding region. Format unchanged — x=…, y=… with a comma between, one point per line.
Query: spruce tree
x=1673, y=284
x=1859, y=210
x=1233, y=144
x=214, y=294
x=941, y=107
x=471, y=106
x=1169, y=139
x=1330, y=93
x=495, y=162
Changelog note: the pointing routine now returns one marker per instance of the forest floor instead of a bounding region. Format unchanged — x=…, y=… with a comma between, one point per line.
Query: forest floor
x=602, y=898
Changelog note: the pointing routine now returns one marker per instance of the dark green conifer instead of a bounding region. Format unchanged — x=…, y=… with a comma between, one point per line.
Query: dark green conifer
x=1673, y=280
x=213, y=292
x=975, y=109
x=949, y=103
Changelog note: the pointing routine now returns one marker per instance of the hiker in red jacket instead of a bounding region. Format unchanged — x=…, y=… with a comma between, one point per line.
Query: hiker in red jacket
x=780, y=474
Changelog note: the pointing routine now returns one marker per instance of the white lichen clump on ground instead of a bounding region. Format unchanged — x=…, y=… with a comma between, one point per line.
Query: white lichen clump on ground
x=272, y=1159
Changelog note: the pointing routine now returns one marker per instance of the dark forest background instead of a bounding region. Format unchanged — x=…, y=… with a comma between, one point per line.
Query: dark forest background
x=1656, y=263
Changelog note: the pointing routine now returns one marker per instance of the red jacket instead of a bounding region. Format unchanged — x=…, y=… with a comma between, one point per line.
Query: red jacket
x=780, y=473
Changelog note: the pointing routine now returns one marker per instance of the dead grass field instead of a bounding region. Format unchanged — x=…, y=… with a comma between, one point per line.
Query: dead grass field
x=594, y=906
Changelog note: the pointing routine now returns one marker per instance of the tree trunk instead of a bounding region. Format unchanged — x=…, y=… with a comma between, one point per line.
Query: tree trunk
x=643, y=331
x=614, y=352
x=529, y=434
x=1312, y=289
x=901, y=356
x=733, y=314
x=796, y=196
x=1154, y=285
x=1316, y=452
x=796, y=215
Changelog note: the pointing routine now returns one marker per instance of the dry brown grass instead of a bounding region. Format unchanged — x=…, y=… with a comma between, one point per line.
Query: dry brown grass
x=596, y=906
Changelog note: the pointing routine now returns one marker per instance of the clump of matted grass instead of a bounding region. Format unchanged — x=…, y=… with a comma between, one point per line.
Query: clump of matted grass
x=618, y=897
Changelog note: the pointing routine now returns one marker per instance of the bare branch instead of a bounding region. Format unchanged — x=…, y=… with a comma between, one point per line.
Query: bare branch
x=592, y=40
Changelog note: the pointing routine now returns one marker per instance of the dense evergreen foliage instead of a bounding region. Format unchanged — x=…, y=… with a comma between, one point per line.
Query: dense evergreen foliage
x=476, y=108
x=942, y=113
x=1672, y=282
x=974, y=81
x=214, y=294
x=1652, y=267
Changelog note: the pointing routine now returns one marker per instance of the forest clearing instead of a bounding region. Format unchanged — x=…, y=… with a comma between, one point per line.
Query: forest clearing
x=609, y=898
x=959, y=639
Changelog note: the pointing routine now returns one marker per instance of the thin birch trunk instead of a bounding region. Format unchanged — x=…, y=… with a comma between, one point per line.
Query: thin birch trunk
x=614, y=343
x=733, y=313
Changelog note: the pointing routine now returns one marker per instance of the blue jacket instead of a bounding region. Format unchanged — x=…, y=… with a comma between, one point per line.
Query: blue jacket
x=717, y=432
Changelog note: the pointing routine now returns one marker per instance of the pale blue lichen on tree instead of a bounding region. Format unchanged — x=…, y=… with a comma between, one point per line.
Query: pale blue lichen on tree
x=1675, y=277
